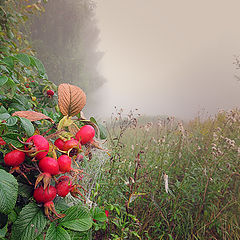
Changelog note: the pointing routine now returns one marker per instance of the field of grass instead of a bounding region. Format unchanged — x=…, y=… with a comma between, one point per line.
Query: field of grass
x=167, y=179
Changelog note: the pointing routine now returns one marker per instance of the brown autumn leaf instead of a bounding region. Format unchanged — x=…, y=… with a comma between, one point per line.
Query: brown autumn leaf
x=32, y=116
x=71, y=99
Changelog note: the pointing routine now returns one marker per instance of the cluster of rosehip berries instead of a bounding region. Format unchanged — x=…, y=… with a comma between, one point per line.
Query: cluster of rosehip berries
x=52, y=169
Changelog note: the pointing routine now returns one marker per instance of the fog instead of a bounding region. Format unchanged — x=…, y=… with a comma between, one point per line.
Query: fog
x=168, y=57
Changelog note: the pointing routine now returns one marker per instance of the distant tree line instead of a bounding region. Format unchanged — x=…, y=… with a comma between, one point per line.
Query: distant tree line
x=65, y=37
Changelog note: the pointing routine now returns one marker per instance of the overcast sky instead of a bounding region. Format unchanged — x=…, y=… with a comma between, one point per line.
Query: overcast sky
x=168, y=57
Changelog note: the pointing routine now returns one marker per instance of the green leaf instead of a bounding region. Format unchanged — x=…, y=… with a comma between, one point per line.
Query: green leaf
x=3, y=110
x=22, y=100
x=9, y=88
x=3, y=231
x=17, y=107
x=57, y=232
x=60, y=204
x=103, y=131
x=8, y=191
x=9, y=61
x=11, y=121
x=99, y=215
x=38, y=64
x=3, y=80
x=29, y=224
x=101, y=128
x=4, y=116
x=40, y=237
x=23, y=58
x=27, y=125
x=77, y=218
x=3, y=68
x=12, y=216
x=12, y=138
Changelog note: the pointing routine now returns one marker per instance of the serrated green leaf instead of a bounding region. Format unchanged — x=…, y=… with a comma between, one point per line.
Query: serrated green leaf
x=60, y=204
x=8, y=191
x=23, y=58
x=11, y=121
x=3, y=80
x=38, y=64
x=77, y=218
x=57, y=232
x=27, y=125
x=12, y=138
x=29, y=224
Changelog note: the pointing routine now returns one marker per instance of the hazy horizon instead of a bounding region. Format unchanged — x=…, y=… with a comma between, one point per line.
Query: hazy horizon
x=167, y=58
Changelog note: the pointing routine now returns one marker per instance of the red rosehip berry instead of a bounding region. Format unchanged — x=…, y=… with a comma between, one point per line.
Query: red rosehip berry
x=50, y=92
x=59, y=143
x=14, y=158
x=63, y=188
x=49, y=165
x=40, y=146
x=44, y=196
x=85, y=134
x=64, y=162
x=72, y=143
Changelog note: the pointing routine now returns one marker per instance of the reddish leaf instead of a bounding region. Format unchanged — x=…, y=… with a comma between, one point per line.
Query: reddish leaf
x=32, y=116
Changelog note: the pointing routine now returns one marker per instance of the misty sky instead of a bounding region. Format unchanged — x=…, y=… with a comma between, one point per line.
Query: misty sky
x=168, y=57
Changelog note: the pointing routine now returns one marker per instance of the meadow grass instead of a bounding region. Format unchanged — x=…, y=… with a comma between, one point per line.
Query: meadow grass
x=167, y=179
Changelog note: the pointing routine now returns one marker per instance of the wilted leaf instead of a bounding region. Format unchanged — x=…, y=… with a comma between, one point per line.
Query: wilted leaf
x=71, y=99
x=65, y=122
x=32, y=116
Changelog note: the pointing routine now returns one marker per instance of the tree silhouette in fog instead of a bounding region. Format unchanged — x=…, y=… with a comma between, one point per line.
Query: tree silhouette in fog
x=66, y=38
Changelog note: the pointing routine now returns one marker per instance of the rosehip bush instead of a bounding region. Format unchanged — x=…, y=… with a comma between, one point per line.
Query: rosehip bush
x=40, y=157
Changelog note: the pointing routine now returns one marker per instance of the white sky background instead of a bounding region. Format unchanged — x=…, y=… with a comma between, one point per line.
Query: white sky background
x=168, y=57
